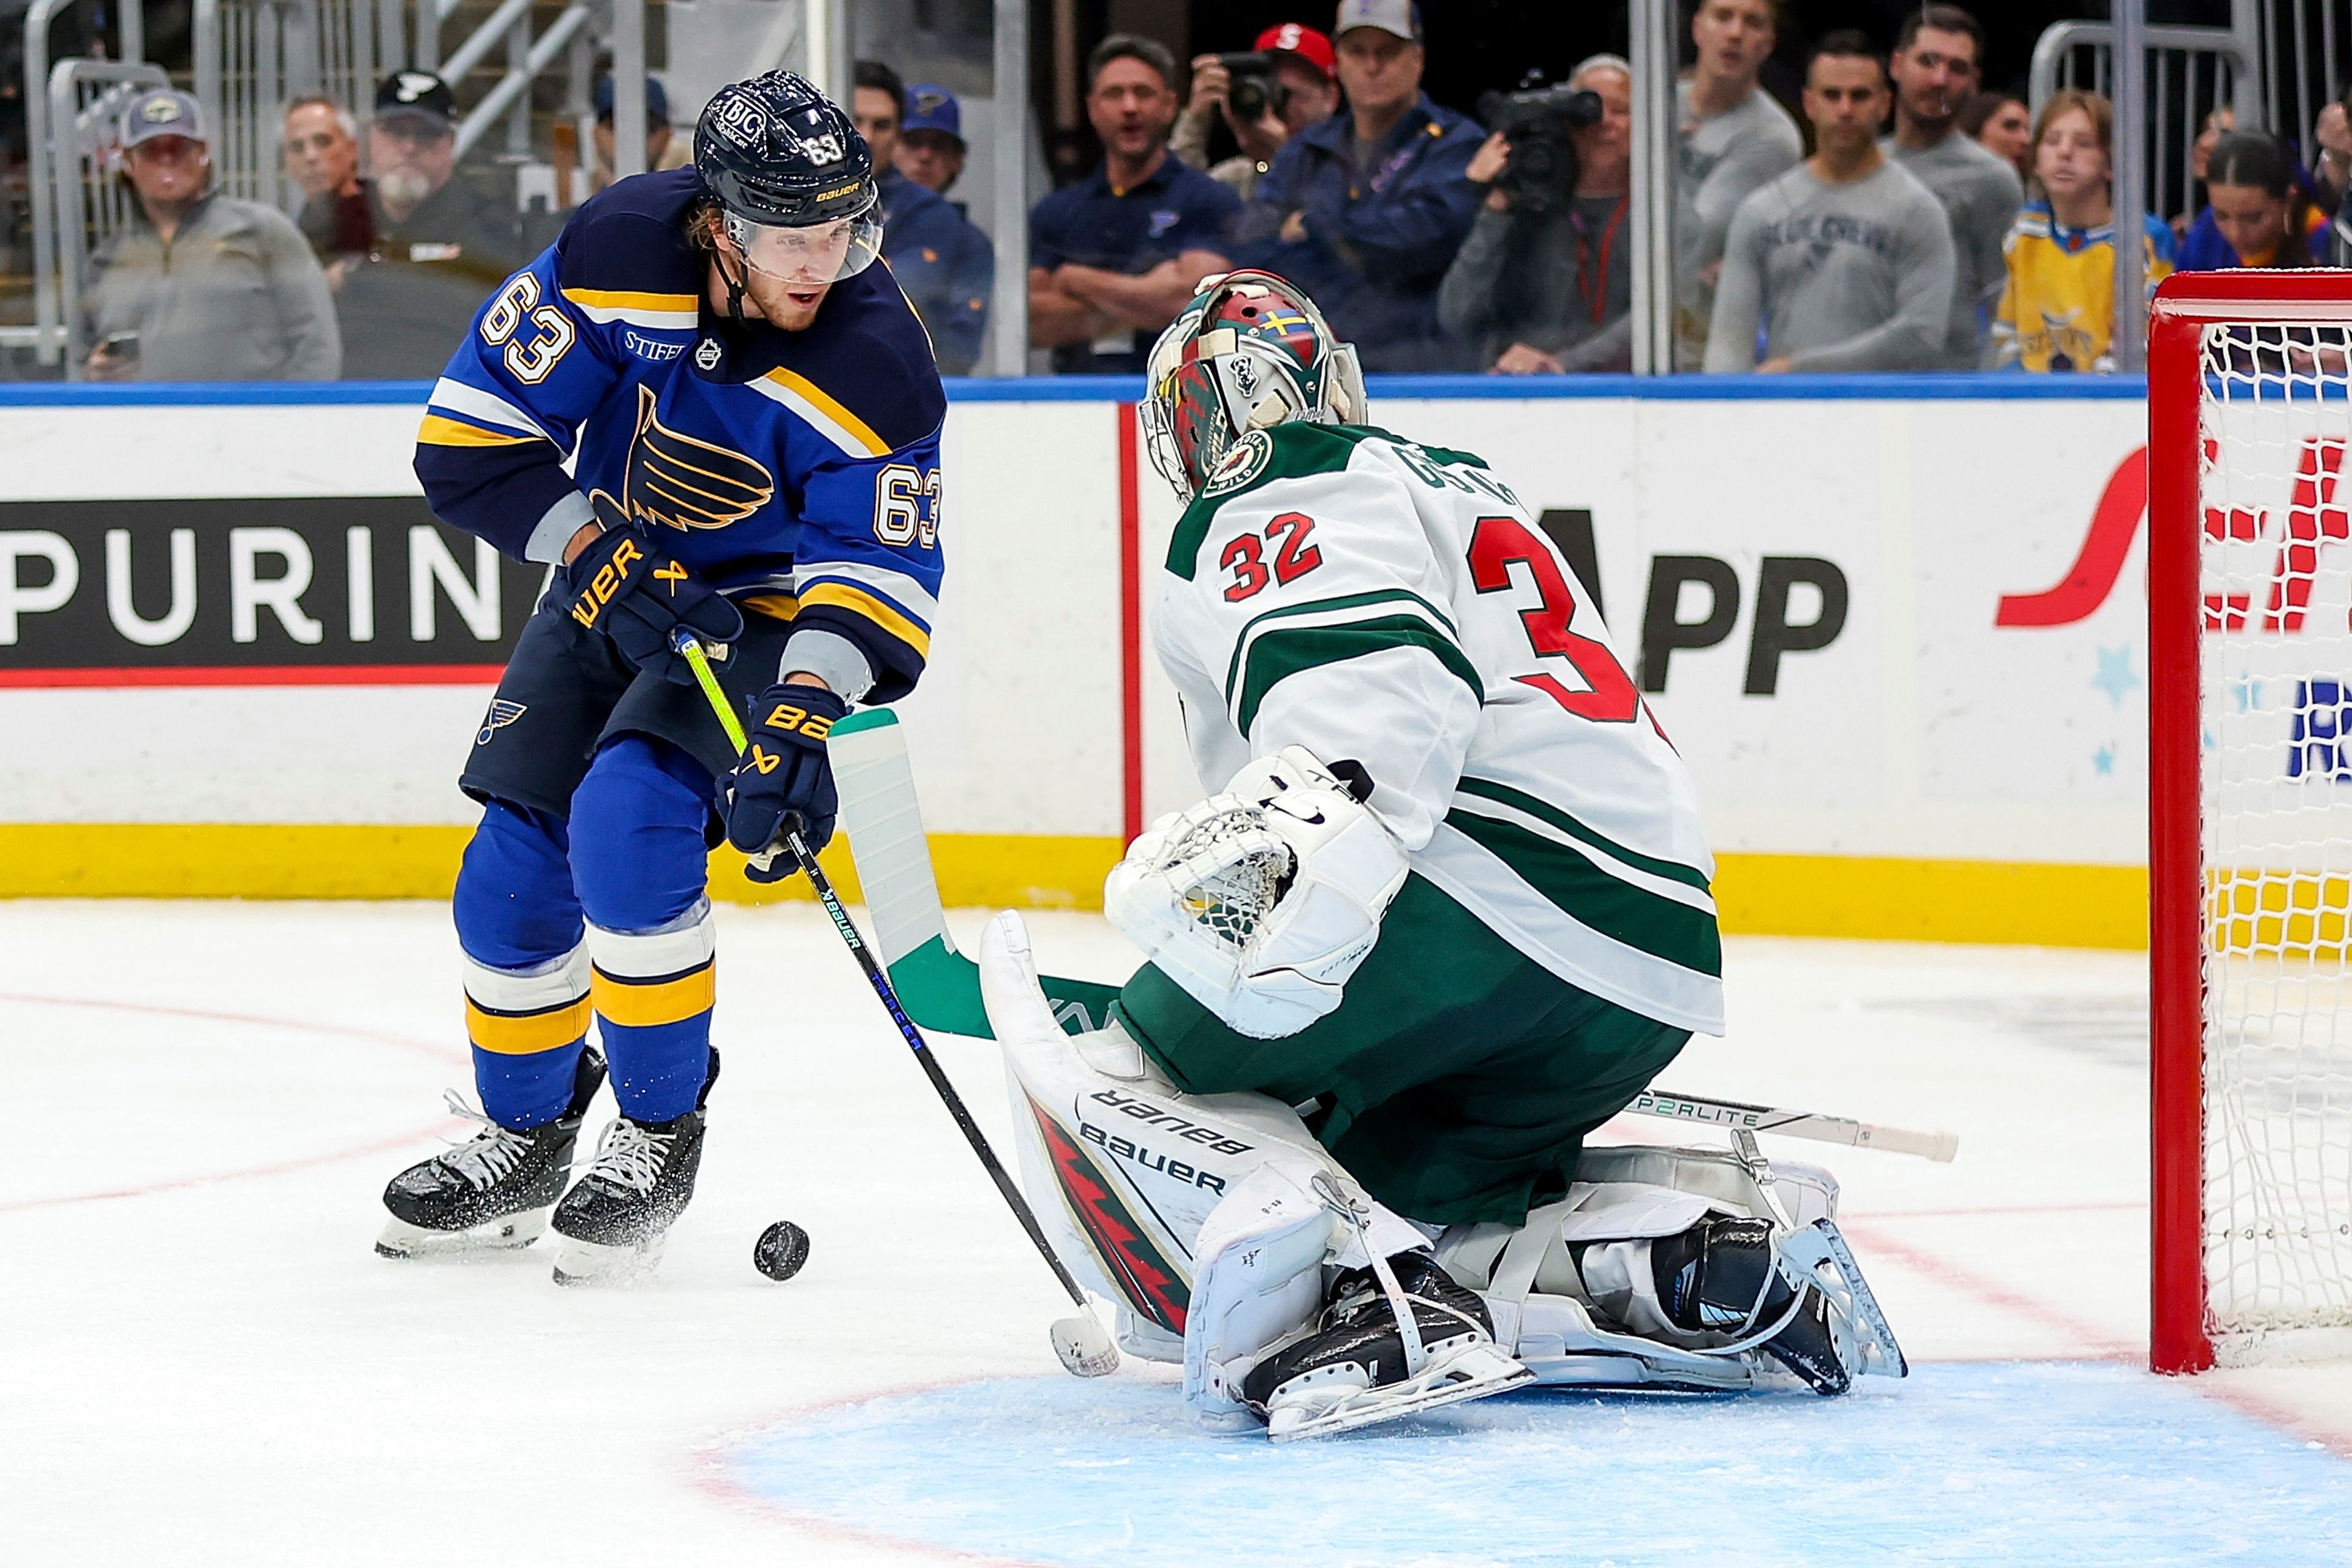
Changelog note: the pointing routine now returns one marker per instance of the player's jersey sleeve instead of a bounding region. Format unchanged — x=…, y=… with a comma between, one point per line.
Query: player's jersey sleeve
x=1311, y=598
x=867, y=565
x=542, y=353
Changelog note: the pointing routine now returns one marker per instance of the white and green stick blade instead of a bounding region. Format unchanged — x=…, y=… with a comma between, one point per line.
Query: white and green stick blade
x=939, y=986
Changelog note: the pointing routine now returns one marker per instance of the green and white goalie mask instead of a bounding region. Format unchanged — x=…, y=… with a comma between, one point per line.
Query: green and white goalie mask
x=1249, y=352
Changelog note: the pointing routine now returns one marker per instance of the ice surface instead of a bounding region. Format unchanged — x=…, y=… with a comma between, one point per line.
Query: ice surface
x=202, y=1362
x=2041, y=1463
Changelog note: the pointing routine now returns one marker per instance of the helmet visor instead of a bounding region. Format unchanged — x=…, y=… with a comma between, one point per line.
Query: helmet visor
x=809, y=256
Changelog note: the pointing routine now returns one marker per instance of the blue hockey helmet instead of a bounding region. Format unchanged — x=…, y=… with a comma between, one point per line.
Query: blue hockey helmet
x=793, y=178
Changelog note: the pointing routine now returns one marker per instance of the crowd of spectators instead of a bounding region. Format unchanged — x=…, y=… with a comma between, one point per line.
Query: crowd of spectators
x=1912, y=221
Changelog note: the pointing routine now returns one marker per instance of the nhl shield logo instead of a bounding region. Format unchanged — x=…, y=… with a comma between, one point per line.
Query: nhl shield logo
x=502, y=714
x=707, y=353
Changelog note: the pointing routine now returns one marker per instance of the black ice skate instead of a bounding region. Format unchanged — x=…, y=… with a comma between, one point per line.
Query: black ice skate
x=1720, y=1276
x=493, y=1192
x=612, y=1224
x=1358, y=1364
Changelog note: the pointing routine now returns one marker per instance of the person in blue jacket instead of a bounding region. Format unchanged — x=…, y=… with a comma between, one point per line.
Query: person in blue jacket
x=944, y=263
x=1366, y=210
x=707, y=412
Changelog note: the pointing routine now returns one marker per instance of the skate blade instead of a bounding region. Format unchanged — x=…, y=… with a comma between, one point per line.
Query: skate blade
x=579, y=1262
x=1471, y=1371
x=402, y=1240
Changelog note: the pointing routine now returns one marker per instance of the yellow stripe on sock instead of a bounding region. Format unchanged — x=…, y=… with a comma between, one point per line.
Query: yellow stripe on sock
x=640, y=1003
x=525, y=1033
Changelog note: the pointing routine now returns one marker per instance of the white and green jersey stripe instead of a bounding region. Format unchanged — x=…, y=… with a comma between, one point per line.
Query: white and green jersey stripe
x=1345, y=590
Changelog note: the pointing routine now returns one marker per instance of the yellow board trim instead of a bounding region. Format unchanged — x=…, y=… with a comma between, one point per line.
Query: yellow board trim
x=1758, y=895
x=2006, y=903
x=856, y=430
x=529, y=1034
x=880, y=612
x=633, y=300
x=438, y=432
x=643, y=1004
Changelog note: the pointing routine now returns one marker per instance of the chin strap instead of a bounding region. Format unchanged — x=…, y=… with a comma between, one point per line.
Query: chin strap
x=736, y=285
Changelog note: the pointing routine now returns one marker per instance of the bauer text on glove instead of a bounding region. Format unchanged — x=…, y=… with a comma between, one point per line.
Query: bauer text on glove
x=627, y=586
x=785, y=769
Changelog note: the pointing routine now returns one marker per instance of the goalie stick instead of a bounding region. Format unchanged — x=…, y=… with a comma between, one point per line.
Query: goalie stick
x=940, y=987
x=1079, y=1342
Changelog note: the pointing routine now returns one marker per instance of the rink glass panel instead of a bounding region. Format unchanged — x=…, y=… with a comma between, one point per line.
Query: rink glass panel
x=2275, y=809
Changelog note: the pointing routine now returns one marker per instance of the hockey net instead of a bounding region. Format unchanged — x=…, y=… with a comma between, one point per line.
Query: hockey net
x=2251, y=816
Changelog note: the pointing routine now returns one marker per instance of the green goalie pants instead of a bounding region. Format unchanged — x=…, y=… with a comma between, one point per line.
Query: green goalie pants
x=1458, y=1077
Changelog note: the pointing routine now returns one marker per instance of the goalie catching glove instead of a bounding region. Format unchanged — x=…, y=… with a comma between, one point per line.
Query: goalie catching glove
x=636, y=593
x=1261, y=901
x=784, y=770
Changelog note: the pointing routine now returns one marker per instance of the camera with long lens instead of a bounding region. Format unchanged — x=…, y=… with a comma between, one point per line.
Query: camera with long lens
x=1540, y=174
x=1255, y=91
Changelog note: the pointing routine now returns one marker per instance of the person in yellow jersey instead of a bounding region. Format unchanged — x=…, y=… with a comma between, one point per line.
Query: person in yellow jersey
x=2057, y=309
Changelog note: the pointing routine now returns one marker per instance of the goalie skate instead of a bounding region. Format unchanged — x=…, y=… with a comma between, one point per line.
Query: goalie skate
x=1432, y=1338
x=491, y=1193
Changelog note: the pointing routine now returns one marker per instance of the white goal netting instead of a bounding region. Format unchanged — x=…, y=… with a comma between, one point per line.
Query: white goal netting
x=2275, y=711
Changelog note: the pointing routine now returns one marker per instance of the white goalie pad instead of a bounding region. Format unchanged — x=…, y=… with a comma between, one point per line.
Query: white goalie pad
x=1261, y=901
x=1601, y=1326
x=1201, y=1215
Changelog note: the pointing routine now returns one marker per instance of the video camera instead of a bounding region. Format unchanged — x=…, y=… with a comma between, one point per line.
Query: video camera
x=1540, y=172
x=1256, y=90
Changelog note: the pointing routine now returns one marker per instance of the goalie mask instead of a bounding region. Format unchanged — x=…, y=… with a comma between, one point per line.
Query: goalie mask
x=1249, y=352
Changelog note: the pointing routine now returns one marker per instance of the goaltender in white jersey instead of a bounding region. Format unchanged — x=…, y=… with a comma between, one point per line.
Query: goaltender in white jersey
x=1446, y=912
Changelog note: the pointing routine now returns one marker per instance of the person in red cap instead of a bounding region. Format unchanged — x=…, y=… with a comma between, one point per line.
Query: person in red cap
x=1307, y=92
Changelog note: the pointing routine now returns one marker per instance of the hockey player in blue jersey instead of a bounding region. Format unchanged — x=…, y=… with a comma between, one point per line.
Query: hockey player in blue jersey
x=752, y=417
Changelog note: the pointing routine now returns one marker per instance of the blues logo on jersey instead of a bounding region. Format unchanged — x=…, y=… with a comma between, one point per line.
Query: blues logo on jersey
x=782, y=468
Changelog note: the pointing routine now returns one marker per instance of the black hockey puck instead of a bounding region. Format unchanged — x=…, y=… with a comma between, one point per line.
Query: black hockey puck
x=783, y=1248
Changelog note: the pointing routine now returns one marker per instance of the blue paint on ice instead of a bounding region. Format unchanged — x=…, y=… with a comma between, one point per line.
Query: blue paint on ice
x=2055, y=1466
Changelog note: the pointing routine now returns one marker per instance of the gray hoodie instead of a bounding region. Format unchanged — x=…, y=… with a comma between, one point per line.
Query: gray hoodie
x=236, y=295
x=1857, y=276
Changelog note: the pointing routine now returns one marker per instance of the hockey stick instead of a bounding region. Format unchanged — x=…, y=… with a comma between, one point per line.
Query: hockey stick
x=1080, y=1343
x=1736, y=1115
x=884, y=823
x=941, y=986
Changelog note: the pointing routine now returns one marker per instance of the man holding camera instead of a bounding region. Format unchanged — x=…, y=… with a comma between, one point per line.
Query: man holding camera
x=1544, y=283
x=1288, y=83
x=1366, y=210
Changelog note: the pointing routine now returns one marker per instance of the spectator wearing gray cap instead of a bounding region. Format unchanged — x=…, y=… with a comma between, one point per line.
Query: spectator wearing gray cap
x=435, y=246
x=201, y=286
x=1366, y=210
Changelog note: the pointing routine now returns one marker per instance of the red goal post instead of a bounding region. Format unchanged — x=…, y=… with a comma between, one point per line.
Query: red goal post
x=2249, y=817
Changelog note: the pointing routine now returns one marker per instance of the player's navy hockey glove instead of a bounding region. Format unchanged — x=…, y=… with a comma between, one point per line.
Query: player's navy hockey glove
x=784, y=770
x=627, y=586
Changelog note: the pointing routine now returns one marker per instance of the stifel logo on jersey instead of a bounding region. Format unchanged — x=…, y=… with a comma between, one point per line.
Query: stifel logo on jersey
x=685, y=482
